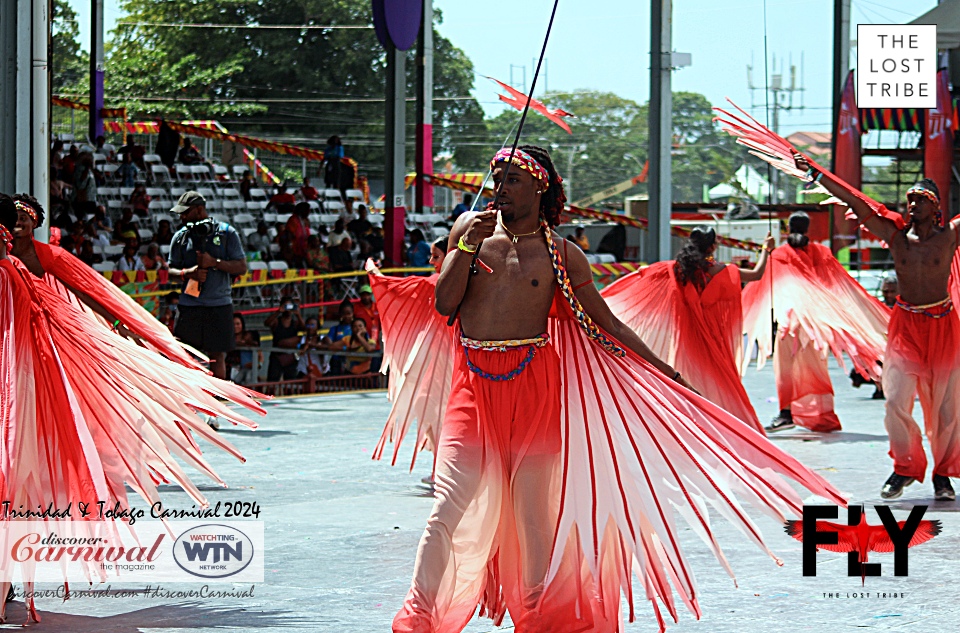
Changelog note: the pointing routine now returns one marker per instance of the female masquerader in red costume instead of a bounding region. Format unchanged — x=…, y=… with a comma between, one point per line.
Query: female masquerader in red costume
x=688, y=312
x=78, y=283
x=85, y=411
x=567, y=447
x=819, y=308
x=922, y=356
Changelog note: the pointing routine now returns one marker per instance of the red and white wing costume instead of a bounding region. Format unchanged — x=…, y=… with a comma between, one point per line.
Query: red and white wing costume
x=418, y=349
x=65, y=272
x=698, y=333
x=86, y=410
x=637, y=450
x=815, y=300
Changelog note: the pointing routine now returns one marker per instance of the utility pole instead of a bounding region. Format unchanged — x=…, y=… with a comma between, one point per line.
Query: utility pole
x=96, y=70
x=424, y=153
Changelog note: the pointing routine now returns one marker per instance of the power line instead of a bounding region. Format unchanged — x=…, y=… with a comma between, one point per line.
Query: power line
x=297, y=27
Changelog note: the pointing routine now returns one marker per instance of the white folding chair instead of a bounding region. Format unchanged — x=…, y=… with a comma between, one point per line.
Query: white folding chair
x=243, y=219
x=253, y=206
x=160, y=173
x=104, y=267
x=354, y=194
x=201, y=173
x=184, y=173
x=151, y=159
x=146, y=235
x=258, y=194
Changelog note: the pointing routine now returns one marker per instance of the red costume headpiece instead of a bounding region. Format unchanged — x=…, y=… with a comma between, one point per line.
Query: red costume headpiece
x=525, y=162
x=920, y=190
x=26, y=208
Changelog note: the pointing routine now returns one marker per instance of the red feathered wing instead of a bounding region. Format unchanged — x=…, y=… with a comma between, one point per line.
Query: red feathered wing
x=79, y=276
x=518, y=100
x=700, y=334
x=776, y=150
x=418, y=352
x=815, y=299
x=848, y=537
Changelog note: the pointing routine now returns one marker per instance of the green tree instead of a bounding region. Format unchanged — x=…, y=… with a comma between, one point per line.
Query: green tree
x=703, y=155
x=607, y=129
x=70, y=67
x=302, y=85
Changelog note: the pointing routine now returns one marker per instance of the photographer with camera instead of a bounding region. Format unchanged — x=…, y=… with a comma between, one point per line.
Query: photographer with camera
x=205, y=255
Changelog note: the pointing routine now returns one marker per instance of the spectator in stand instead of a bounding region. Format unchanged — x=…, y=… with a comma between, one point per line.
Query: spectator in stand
x=438, y=251
x=104, y=151
x=285, y=324
x=368, y=311
x=153, y=260
x=375, y=240
x=100, y=221
x=69, y=164
x=341, y=259
x=462, y=208
x=317, y=258
x=84, y=187
x=299, y=227
x=581, y=240
x=259, y=242
x=359, y=341
x=189, y=155
x=332, y=154
x=140, y=201
x=240, y=362
x=164, y=233
x=127, y=172
x=336, y=236
x=135, y=151
x=312, y=362
x=87, y=256
x=168, y=311
x=284, y=240
x=126, y=228
x=418, y=255
x=308, y=192
x=73, y=242
x=281, y=197
x=336, y=336
x=94, y=237
x=246, y=184
x=206, y=262
x=360, y=227
x=129, y=260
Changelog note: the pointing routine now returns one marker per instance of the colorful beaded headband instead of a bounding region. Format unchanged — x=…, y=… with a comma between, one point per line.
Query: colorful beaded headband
x=920, y=190
x=26, y=208
x=926, y=193
x=525, y=162
x=5, y=236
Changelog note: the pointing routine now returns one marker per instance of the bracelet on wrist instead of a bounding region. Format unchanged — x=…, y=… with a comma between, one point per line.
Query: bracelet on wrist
x=467, y=248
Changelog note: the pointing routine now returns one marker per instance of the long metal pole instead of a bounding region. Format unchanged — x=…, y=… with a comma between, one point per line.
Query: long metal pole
x=96, y=70
x=40, y=112
x=424, y=153
x=661, y=131
x=8, y=95
x=395, y=146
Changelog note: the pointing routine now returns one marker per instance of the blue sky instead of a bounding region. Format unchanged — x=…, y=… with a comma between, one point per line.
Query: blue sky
x=604, y=44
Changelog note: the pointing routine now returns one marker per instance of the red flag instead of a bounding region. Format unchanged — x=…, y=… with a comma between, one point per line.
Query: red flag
x=519, y=101
x=847, y=162
x=938, y=143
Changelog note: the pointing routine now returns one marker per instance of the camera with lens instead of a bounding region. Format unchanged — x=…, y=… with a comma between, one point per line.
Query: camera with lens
x=202, y=229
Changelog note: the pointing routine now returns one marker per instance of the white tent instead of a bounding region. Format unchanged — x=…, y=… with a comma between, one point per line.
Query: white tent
x=946, y=16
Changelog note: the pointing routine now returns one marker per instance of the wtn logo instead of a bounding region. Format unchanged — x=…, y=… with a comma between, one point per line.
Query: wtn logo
x=213, y=551
x=858, y=538
x=201, y=551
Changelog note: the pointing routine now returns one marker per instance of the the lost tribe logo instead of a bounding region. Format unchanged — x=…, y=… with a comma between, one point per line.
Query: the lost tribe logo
x=213, y=551
x=858, y=538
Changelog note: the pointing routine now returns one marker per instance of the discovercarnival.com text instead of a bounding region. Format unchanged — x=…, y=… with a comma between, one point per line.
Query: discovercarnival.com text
x=150, y=591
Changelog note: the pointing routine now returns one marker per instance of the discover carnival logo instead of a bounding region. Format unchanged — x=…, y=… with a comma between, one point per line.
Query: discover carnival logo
x=213, y=551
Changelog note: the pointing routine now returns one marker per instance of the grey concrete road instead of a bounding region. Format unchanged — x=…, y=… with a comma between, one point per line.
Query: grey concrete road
x=342, y=531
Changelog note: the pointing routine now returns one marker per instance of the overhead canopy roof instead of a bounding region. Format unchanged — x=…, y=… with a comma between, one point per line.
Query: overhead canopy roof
x=947, y=18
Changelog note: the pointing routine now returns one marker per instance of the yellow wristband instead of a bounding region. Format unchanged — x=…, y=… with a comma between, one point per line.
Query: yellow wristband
x=467, y=248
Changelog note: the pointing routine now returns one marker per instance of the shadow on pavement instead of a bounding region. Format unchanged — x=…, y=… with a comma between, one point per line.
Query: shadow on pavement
x=191, y=615
x=828, y=438
x=253, y=433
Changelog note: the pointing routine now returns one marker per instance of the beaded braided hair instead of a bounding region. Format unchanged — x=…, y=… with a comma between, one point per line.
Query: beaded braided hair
x=551, y=206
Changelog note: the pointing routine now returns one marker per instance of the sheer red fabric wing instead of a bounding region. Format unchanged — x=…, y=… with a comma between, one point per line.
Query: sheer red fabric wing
x=77, y=275
x=639, y=449
x=418, y=349
x=817, y=301
x=700, y=334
